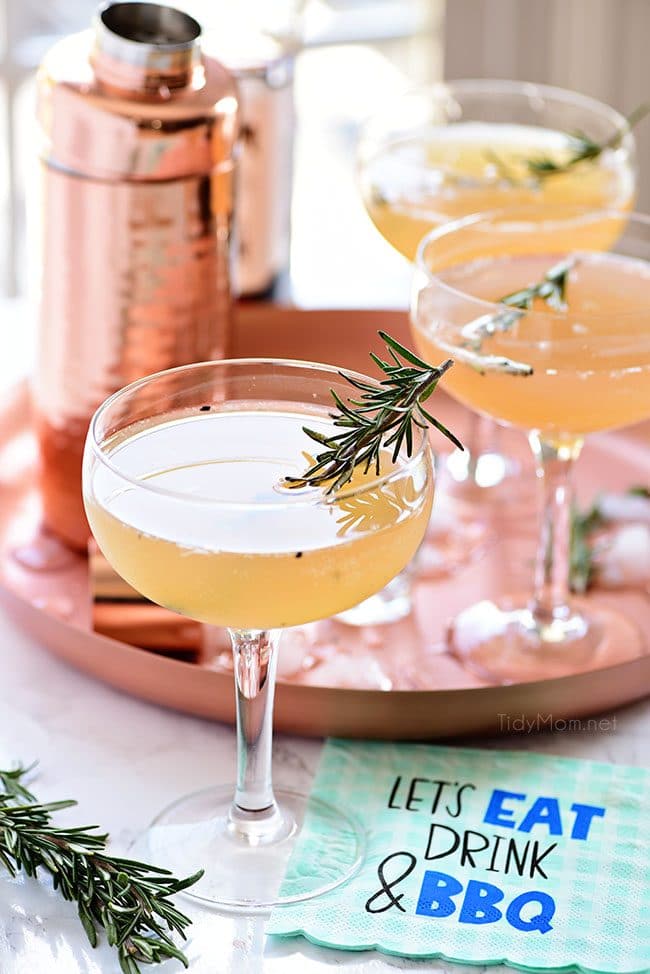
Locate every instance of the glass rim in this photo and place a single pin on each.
(510, 214)
(316, 496)
(505, 86)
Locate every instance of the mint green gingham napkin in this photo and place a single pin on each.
(484, 857)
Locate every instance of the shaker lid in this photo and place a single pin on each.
(152, 37)
(134, 99)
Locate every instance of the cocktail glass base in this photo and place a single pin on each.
(249, 869)
(506, 642)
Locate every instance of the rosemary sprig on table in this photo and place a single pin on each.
(382, 416)
(129, 900)
(551, 289)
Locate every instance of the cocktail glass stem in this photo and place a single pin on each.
(550, 633)
(550, 605)
(254, 814)
(244, 843)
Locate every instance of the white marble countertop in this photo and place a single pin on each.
(123, 760)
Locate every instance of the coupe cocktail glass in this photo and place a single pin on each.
(591, 371)
(184, 489)
(447, 151)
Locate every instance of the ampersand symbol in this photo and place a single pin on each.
(388, 886)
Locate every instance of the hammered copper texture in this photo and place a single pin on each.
(135, 214)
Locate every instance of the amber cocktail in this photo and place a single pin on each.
(559, 369)
(185, 490)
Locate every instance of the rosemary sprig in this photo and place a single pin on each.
(583, 148)
(581, 552)
(129, 900)
(584, 525)
(382, 416)
(551, 289)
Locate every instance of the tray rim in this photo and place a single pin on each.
(522, 695)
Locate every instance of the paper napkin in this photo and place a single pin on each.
(484, 857)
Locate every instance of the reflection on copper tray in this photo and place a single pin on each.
(118, 611)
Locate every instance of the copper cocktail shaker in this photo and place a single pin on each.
(139, 129)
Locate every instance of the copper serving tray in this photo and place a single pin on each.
(428, 695)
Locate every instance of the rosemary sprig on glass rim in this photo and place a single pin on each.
(551, 289)
(383, 416)
(129, 900)
(582, 149)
